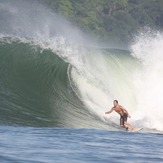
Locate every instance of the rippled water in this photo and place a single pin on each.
(19, 144)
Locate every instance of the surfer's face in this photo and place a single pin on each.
(115, 103)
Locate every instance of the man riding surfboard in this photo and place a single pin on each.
(123, 115)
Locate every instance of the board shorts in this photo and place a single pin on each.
(123, 119)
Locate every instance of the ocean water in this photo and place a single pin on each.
(19, 144)
(56, 84)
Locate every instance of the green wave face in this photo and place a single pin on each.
(38, 88)
(36, 91)
(32, 82)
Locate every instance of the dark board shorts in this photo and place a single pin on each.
(123, 119)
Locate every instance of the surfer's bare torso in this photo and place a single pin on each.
(119, 109)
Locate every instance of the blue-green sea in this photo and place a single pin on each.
(27, 144)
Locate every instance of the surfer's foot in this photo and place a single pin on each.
(133, 129)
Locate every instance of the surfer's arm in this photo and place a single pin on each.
(108, 112)
(125, 111)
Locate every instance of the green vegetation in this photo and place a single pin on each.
(117, 20)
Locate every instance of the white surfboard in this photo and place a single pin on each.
(135, 130)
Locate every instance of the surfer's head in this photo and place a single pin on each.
(115, 102)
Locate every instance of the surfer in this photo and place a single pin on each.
(123, 115)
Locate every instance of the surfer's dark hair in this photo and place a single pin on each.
(116, 101)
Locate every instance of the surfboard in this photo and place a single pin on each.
(135, 130)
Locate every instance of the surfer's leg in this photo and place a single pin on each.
(129, 126)
(122, 121)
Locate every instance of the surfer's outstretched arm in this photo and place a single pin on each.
(108, 112)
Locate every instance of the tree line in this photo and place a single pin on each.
(115, 20)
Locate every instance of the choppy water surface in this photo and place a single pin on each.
(19, 144)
